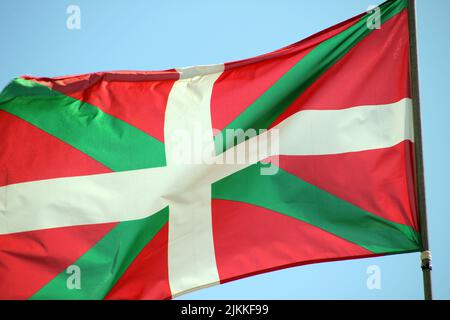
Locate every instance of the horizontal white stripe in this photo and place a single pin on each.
(315, 132)
(136, 194)
(324, 132)
(81, 200)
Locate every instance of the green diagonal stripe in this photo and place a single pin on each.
(291, 196)
(273, 102)
(113, 142)
(103, 265)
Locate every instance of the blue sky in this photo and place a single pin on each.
(152, 35)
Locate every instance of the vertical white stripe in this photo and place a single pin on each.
(188, 133)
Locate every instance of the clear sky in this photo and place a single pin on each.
(153, 35)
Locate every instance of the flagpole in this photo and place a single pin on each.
(418, 152)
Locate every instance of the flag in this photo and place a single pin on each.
(151, 184)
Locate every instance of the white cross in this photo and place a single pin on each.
(186, 188)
